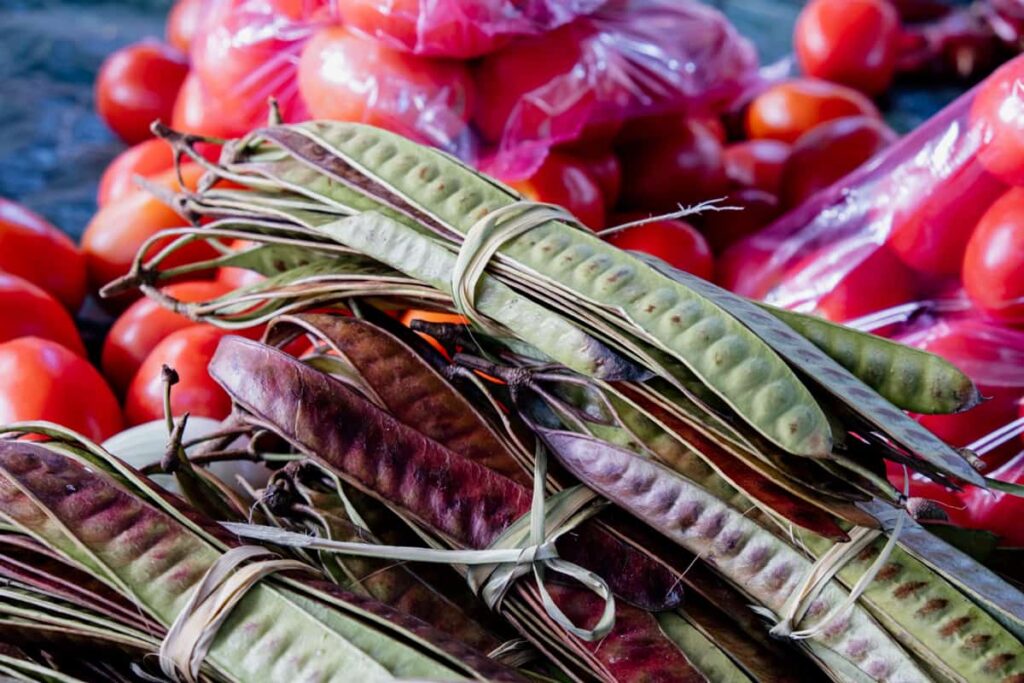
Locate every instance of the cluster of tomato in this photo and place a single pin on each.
(47, 374)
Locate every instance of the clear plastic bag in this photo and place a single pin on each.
(560, 72)
(935, 213)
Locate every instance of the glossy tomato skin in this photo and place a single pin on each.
(756, 164)
(853, 42)
(148, 158)
(878, 282)
(402, 25)
(998, 512)
(788, 110)
(144, 324)
(533, 90)
(932, 221)
(993, 270)
(28, 311)
(746, 268)
(138, 85)
(346, 76)
(43, 380)
(183, 22)
(684, 168)
(119, 230)
(998, 112)
(565, 181)
(188, 351)
(33, 249)
(675, 242)
(829, 151)
(755, 210)
(990, 358)
(198, 112)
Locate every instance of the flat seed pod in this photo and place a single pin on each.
(909, 378)
(712, 662)
(737, 365)
(752, 558)
(839, 382)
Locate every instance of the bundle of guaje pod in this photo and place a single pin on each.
(614, 471)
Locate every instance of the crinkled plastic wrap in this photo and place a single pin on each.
(543, 73)
(900, 228)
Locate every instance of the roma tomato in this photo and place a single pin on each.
(565, 181)
(684, 168)
(993, 270)
(848, 281)
(932, 221)
(33, 249)
(853, 42)
(183, 22)
(674, 242)
(146, 159)
(349, 77)
(198, 112)
(827, 152)
(756, 209)
(138, 85)
(144, 324)
(28, 311)
(534, 89)
(459, 31)
(188, 351)
(756, 164)
(119, 230)
(43, 380)
(788, 110)
(998, 111)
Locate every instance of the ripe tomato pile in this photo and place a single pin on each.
(578, 104)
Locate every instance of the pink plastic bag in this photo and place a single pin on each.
(933, 213)
(553, 73)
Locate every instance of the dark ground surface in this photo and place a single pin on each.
(53, 147)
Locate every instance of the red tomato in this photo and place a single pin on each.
(248, 52)
(932, 221)
(998, 110)
(875, 281)
(684, 168)
(196, 111)
(993, 270)
(985, 356)
(138, 85)
(348, 77)
(998, 512)
(756, 164)
(534, 90)
(118, 231)
(42, 380)
(188, 351)
(28, 311)
(829, 151)
(662, 125)
(146, 159)
(143, 325)
(853, 42)
(724, 228)
(183, 22)
(565, 181)
(459, 31)
(40, 253)
(746, 268)
(674, 242)
(236, 278)
(788, 110)
(607, 171)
